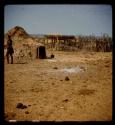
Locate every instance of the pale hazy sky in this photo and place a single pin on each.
(60, 19)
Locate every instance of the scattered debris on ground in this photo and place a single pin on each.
(65, 100)
(26, 112)
(67, 78)
(21, 106)
(86, 91)
(55, 68)
(9, 116)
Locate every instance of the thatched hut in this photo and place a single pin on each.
(36, 50)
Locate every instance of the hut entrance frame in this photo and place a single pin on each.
(41, 52)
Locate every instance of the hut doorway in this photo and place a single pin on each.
(42, 52)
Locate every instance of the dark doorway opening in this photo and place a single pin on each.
(42, 52)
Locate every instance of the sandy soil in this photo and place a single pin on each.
(42, 87)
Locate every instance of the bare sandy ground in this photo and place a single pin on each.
(41, 86)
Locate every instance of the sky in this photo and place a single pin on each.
(60, 19)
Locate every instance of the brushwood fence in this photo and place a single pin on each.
(97, 46)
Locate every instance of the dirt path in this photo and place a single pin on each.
(41, 86)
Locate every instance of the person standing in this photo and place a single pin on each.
(10, 50)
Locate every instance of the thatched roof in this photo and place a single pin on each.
(17, 31)
(20, 37)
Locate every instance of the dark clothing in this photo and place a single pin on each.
(10, 51)
(11, 55)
